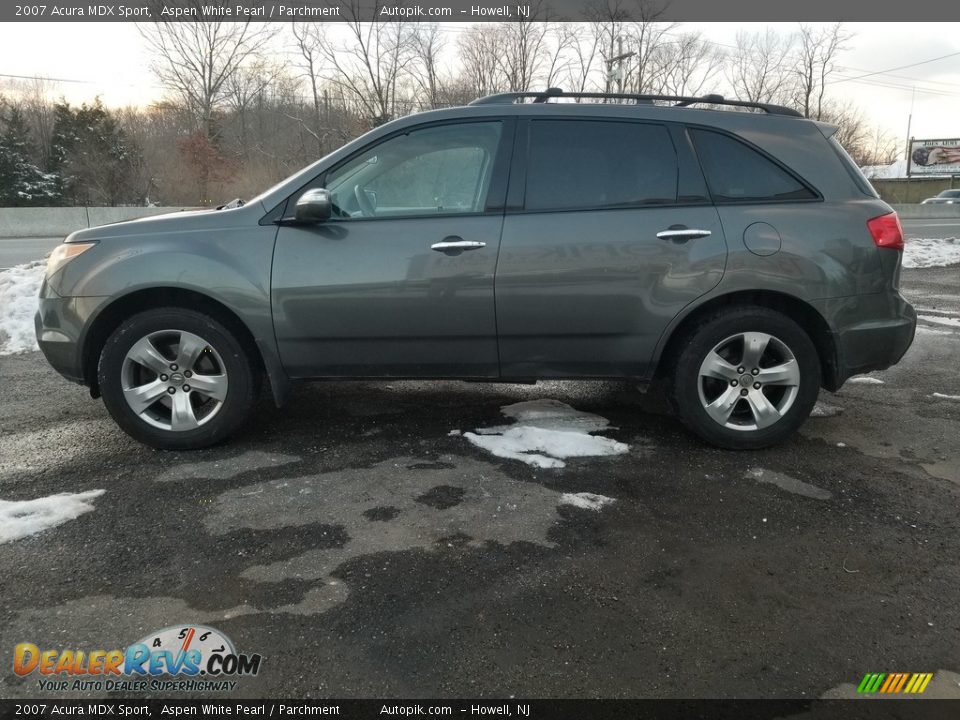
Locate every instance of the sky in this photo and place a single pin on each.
(110, 60)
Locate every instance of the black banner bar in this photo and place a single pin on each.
(474, 10)
(874, 709)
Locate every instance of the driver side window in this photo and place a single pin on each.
(437, 170)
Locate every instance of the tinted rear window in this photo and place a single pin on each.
(737, 173)
(587, 164)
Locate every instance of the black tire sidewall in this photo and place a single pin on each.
(241, 391)
(704, 337)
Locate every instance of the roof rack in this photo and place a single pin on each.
(678, 100)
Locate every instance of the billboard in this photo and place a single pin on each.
(934, 157)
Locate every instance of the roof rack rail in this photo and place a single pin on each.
(678, 100)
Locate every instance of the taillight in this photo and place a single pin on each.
(886, 231)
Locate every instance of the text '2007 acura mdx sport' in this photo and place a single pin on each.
(730, 249)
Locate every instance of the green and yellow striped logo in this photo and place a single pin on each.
(893, 683)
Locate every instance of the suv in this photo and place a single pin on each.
(731, 249)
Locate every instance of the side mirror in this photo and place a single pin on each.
(314, 206)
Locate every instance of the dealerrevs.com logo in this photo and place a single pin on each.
(186, 658)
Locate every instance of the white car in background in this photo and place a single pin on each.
(947, 197)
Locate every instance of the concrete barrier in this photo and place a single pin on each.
(927, 212)
(54, 221)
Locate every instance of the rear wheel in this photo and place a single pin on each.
(176, 379)
(746, 378)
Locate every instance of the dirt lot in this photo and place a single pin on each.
(366, 551)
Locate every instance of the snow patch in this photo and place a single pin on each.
(953, 322)
(19, 288)
(931, 252)
(585, 500)
(866, 380)
(945, 397)
(21, 518)
(545, 433)
(896, 169)
(821, 409)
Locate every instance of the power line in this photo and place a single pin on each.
(899, 67)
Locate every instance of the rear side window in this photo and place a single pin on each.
(737, 173)
(589, 164)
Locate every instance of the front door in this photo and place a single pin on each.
(399, 283)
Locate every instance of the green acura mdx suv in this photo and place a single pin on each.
(731, 249)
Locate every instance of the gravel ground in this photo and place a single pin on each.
(365, 551)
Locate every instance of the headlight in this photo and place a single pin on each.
(64, 253)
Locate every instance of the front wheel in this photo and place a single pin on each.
(176, 379)
(746, 378)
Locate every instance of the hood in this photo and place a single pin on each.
(182, 221)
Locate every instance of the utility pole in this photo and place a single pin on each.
(618, 73)
(913, 96)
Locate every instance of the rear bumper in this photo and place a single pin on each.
(874, 343)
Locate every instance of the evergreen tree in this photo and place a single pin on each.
(92, 156)
(22, 183)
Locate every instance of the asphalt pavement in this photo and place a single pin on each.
(364, 550)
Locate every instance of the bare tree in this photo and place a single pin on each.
(244, 89)
(369, 65)
(196, 60)
(685, 65)
(759, 68)
(816, 62)
(583, 47)
(532, 49)
(309, 42)
(480, 50)
(646, 38)
(428, 41)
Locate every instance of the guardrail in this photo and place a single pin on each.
(927, 212)
(54, 221)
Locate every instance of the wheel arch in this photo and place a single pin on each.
(125, 306)
(805, 315)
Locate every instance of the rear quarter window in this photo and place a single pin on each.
(855, 173)
(735, 172)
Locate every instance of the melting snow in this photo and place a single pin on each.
(585, 500)
(954, 322)
(946, 397)
(931, 252)
(823, 410)
(896, 169)
(866, 380)
(21, 518)
(19, 287)
(545, 433)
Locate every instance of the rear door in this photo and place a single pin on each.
(608, 235)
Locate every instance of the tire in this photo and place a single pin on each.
(146, 369)
(708, 387)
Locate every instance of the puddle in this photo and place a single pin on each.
(226, 468)
(398, 505)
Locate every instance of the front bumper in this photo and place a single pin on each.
(61, 324)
